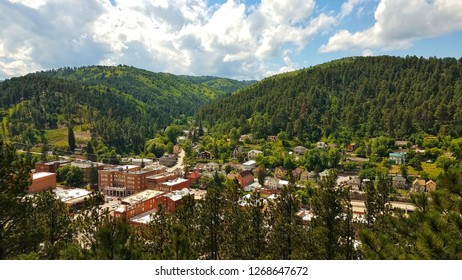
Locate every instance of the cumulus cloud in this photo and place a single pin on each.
(232, 39)
(398, 23)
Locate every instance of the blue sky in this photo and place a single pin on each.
(233, 38)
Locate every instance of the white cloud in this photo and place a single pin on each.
(232, 39)
(348, 6)
(398, 23)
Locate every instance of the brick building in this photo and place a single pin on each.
(85, 166)
(51, 166)
(138, 204)
(126, 180)
(153, 182)
(42, 181)
(174, 185)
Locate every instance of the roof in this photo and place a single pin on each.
(400, 178)
(245, 173)
(194, 175)
(68, 194)
(141, 196)
(39, 175)
(159, 176)
(420, 182)
(430, 182)
(143, 218)
(177, 195)
(175, 182)
(397, 154)
(255, 151)
(250, 162)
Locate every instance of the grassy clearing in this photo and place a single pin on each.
(58, 137)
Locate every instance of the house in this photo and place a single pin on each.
(212, 166)
(168, 160)
(296, 173)
(313, 176)
(304, 176)
(199, 166)
(400, 143)
(249, 165)
(245, 178)
(418, 185)
(430, 186)
(237, 152)
(399, 182)
(272, 183)
(279, 172)
(300, 150)
(205, 155)
(252, 187)
(194, 177)
(252, 154)
(350, 148)
(397, 158)
(321, 145)
(272, 138)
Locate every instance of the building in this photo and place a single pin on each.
(304, 176)
(194, 177)
(142, 161)
(280, 172)
(272, 138)
(42, 181)
(212, 166)
(124, 180)
(399, 182)
(249, 165)
(245, 137)
(272, 183)
(430, 186)
(397, 158)
(51, 166)
(72, 198)
(205, 155)
(154, 181)
(245, 178)
(300, 150)
(321, 145)
(418, 185)
(350, 148)
(174, 185)
(252, 154)
(168, 160)
(138, 204)
(237, 152)
(173, 199)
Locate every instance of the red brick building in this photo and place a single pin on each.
(51, 166)
(42, 181)
(175, 185)
(138, 204)
(125, 181)
(154, 182)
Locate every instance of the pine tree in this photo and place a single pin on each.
(71, 138)
(14, 208)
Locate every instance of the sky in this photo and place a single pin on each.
(235, 38)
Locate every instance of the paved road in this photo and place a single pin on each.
(179, 163)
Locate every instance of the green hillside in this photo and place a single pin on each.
(352, 97)
(120, 106)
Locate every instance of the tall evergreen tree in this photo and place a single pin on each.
(71, 138)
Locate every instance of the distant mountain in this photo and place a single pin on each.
(122, 106)
(351, 97)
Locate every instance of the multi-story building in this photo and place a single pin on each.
(154, 182)
(174, 185)
(51, 166)
(124, 180)
(138, 204)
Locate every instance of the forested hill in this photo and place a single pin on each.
(360, 96)
(120, 106)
